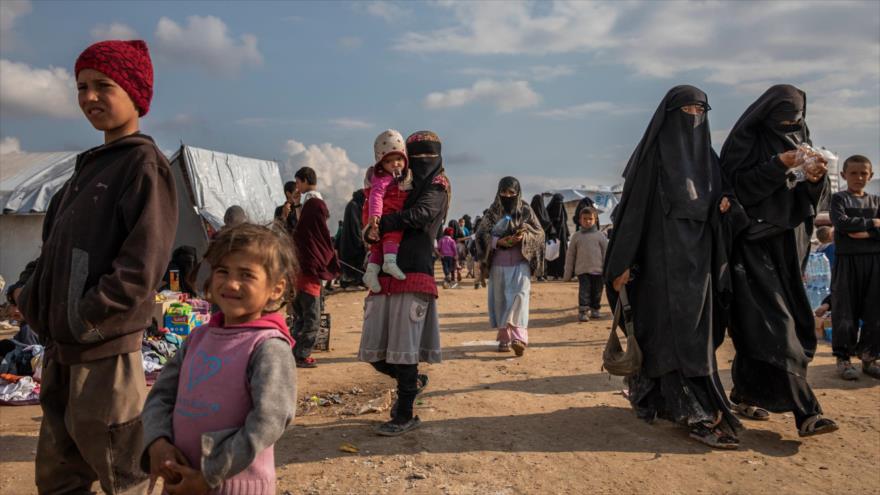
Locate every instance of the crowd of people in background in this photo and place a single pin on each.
(699, 246)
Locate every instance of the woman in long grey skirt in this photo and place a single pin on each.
(401, 327)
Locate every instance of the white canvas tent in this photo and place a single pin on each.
(604, 197)
(207, 183)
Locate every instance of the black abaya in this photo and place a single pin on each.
(544, 219)
(771, 319)
(666, 231)
(352, 250)
(559, 231)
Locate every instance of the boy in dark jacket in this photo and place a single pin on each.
(317, 263)
(107, 240)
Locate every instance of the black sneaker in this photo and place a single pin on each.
(393, 429)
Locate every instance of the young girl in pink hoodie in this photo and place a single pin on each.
(218, 407)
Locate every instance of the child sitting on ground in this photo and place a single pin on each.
(446, 249)
(225, 398)
(855, 289)
(585, 258)
(387, 185)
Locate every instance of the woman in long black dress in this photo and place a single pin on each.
(352, 250)
(666, 240)
(772, 324)
(544, 219)
(560, 232)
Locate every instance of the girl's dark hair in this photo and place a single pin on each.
(272, 248)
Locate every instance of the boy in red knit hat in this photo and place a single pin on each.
(107, 237)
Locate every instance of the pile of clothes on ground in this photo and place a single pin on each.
(159, 345)
(21, 363)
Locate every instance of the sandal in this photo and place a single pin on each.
(713, 437)
(503, 347)
(817, 425)
(519, 347)
(393, 429)
(751, 412)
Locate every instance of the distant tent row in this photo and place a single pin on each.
(207, 183)
(604, 197)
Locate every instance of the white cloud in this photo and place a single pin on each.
(10, 11)
(26, 91)
(837, 111)
(729, 42)
(388, 11)
(113, 31)
(205, 42)
(534, 73)
(338, 176)
(349, 123)
(350, 42)
(9, 145)
(490, 28)
(585, 109)
(829, 49)
(505, 96)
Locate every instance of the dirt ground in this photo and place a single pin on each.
(549, 422)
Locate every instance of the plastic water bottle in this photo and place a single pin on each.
(818, 278)
(502, 227)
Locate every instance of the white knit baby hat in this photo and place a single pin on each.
(389, 141)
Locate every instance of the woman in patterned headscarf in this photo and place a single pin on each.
(509, 239)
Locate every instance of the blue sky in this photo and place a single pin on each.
(555, 93)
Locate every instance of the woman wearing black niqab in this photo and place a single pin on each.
(559, 222)
(772, 323)
(667, 236)
(352, 251)
(544, 219)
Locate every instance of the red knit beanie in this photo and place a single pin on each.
(127, 63)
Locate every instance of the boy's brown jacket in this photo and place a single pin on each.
(107, 240)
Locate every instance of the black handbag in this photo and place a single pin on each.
(616, 360)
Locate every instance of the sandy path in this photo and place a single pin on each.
(550, 422)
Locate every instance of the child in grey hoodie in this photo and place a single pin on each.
(585, 258)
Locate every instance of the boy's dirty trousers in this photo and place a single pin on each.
(589, 292)
(91, 427)
(307, 309)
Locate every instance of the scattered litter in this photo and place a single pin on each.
(418, 476)
(350, 448)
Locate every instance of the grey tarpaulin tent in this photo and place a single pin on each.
(27, 183)
(605, 198)
(207, 182)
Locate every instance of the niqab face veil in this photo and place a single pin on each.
(773, 124)
(508, 205)
(689, 180)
